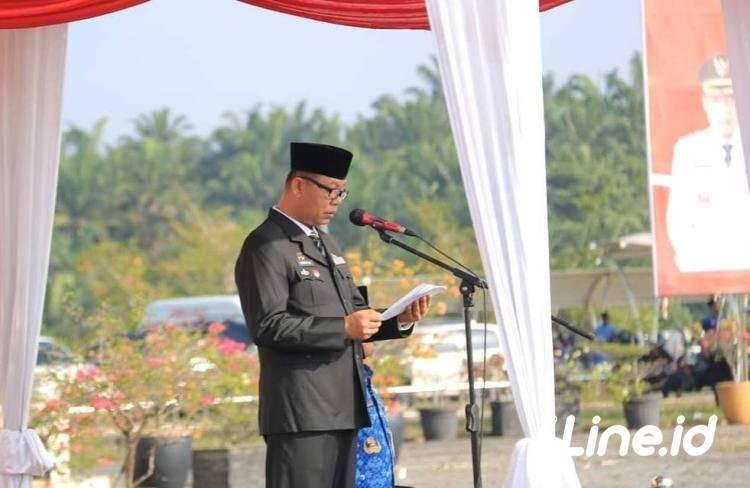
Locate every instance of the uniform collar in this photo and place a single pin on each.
(297, 234)
(307, 230)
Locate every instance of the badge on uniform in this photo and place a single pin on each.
(372, 446)
(303, 260)
(316, 273)
(337, 259)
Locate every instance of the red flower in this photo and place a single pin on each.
(101, 403)
(105, 461)
(156, 362)
(216, 328)
(208, 400)
(52, 405)
(725, 335)
(228, 347)
(83, 374)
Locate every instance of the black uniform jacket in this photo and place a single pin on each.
(294, 300)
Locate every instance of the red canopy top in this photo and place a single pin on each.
(376, 14)
(17, 14)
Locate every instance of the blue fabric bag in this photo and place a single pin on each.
(375, 458)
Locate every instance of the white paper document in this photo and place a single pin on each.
(416, 293)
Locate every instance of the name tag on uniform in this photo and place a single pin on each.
(337, 259)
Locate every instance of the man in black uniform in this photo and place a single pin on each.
(308, 320)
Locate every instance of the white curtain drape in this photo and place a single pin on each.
(737, 28)
(32, 65)
(490, 64)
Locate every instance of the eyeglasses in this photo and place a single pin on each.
(333, 193)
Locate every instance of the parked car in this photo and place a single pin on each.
(199, 312)
(445, 360)
(53, 354)
(52, 358)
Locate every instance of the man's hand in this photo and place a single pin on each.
(362, 325)
(415, 311)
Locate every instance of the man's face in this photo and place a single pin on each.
(319, 207)
(718, 102)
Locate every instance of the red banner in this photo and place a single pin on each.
(700, 201)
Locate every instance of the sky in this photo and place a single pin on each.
(202, 58)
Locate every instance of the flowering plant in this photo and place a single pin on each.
(163, 385)
(624, 378)
(731, 341)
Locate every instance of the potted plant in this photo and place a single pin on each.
(731, 339)
(624, 381)
(438, 418)
(153, 394)
(567, 393)
(568, 377)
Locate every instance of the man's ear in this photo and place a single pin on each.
(296, 187)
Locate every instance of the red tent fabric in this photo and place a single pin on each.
(375, 14)
(16, 14)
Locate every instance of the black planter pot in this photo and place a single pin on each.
(224, 468)
(397, 425)
(438, 423)
(211, 468)
(566, 404)
(172, 461)
(642, 410)
(505, 419)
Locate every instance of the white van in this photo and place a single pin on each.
(446, 360)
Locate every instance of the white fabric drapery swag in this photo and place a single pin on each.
(32, 63)
(737, 29)
(490, 64)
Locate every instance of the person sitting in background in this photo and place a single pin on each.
(711, 320)
(605, 332)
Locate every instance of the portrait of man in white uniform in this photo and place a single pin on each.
(708, 213)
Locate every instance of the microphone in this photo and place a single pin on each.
(361, 217)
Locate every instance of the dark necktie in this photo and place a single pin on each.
(318, 242)
(727, 154)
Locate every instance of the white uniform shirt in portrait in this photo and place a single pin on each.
(708, 215)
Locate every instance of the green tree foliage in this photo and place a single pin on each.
(162, 212)
(596, 163)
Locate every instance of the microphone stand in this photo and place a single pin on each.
(469, 284)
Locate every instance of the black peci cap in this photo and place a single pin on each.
(320, 159)
(715, 72)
